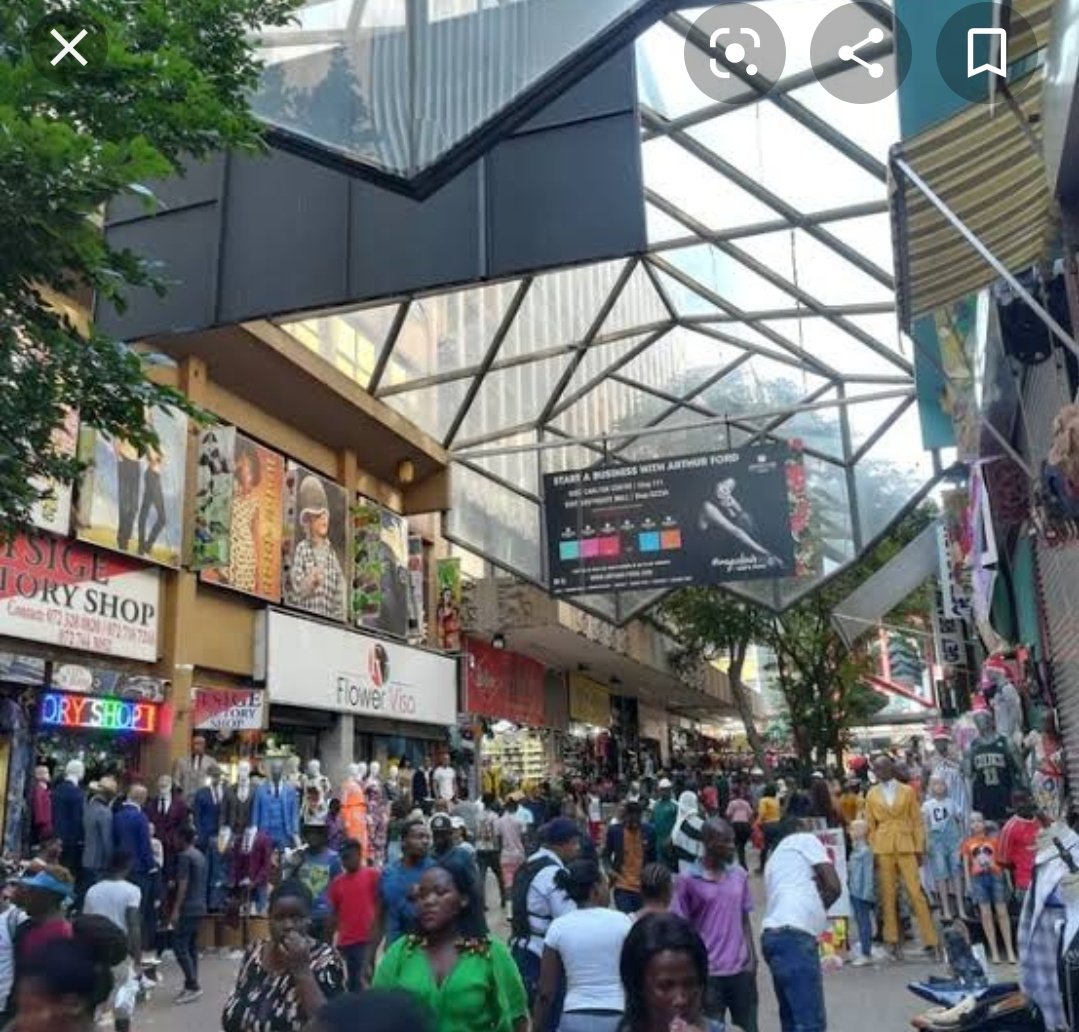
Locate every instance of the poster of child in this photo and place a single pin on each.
(135, 503)
(314, 547)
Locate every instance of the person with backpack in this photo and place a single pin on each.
(537, 900)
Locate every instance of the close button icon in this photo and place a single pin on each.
(67, 46)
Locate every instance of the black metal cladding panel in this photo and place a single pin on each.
(603, 92)
(285, 244)
(185, 243)
(565, 195)
(398, 244)
(200, 185)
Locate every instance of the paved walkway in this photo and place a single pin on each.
(858, 998)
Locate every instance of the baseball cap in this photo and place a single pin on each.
(44, 880)
(441, 822)
(457, 822)
(665, 783)
(940, 731)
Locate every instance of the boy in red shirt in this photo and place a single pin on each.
(353, 897)
(1017, 845)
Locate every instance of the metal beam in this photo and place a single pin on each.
(387, 348)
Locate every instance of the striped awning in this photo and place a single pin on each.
(987, 167)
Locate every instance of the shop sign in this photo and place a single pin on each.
(229, 709)
(503, 685)
(63, 593)
(73, 677)
(84, 712)
(589, 701)
(322, 667)
(697, 519)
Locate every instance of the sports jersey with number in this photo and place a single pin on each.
(992, 777)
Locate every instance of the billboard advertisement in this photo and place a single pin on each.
(238, 514)
(53, 513)
(315, 544)
(380, 582)
(698, 519)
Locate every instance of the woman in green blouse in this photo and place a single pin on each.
(465, 978)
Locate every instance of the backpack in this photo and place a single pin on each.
(520, 927)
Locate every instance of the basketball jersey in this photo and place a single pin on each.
(992, 777)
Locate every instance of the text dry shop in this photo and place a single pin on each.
(378, 683)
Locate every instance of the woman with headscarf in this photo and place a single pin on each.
(687, 840)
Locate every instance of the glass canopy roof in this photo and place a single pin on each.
(764, 309)
(395, 85)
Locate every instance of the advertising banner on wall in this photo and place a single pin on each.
(90, 680)
(417, 614)
(503, 685)
(448, 613)
(54, 513)
(61, 592)
(589, 701)
(380, 582)
(699, 519)
(238, 514)
(311, 664)
(135, 503)
(229, 709)
(314, 549)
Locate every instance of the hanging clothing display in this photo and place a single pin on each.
(378, 821)
(993, 776)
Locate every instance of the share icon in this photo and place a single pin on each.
(850, 53)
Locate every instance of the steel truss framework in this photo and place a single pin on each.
(763, 310)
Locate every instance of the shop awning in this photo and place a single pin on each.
(985, 163)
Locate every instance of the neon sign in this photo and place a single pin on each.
(97, 714)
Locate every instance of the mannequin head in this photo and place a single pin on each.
(353, 772)
(942, 739)
(392, 773)
(884, 768)
(243, 771)
(198, 746)
(41, 774)
(277, 770)
(215, 775)
(376, 769)
(361, 770)
(164, 786)
(314, 768)
(75, 771)
(983, 721)
(938, 788)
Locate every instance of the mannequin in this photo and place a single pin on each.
(292, 775)
(1068, 967)
(167, 812)
(250, 864)
(1005, 700)
(981, 860)
(276, 809)
(1045, 764)
(378, 817)
(392, 784)
(444, 781)
(941, 765)
(68, 802)
(236, 813)
(992, 768)
(354, 806)
(190, 772)
(316, 801)
(404, 782)
(209, 808)
(40, 807)
(422, 789)
(1040, 922)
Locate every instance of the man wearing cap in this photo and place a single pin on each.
(97, 821)
(629, 846)
(443, 846)
(664, 813)
(544, 901)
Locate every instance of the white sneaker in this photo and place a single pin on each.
(861, 961)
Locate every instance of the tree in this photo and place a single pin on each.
(172, 88)
(710, 624)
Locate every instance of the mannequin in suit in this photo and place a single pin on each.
(897, 835)
(68, 805)
(167, 812)
(209, 807)
(40, 807)
(276, 810)
(239, 799)
(189, 772)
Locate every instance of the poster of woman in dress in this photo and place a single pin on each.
(238, 514)
(314, 546)
(134, 503)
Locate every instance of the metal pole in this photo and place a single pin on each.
(991, 259)
(653, 431)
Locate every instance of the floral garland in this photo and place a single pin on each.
(479, 945)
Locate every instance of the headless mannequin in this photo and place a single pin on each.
(238, 800)
(354, 806)
(992, 769)
(276, 810)
(377, 814)
(167, 812)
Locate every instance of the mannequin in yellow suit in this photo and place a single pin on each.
(897, 835)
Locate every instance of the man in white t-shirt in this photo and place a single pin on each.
(120, 901)
(445, 783)
(800, 884)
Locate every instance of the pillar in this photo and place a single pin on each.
(335, 748)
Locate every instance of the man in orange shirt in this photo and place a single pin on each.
(897, 836)
(630, 845)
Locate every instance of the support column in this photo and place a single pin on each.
(335, 748)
